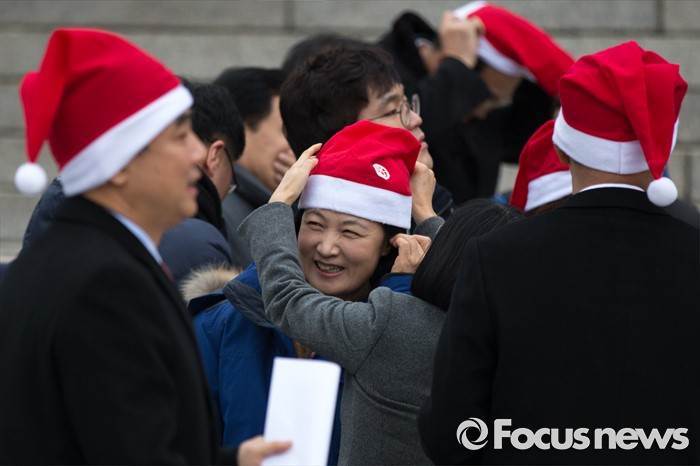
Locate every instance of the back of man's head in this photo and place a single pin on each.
(314, 45)
(252, 90)
(329, 90)
(215, 116)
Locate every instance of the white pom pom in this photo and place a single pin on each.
(662, 192)
(30, 179)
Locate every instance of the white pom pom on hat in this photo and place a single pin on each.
(662, 192)
(30, 179)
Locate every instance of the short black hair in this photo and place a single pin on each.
(252, 90)
(436, 275)
(215, 116)
(307, 48)
(327, 92)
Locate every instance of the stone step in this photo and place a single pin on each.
(15, 210)
(160, 13)
(194, 55)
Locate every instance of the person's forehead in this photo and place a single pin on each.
(395, 94)
(339, 218)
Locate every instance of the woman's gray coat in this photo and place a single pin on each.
(385, 345)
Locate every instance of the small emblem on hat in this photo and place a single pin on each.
(382, 172)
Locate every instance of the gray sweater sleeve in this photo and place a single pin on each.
(341, 331)
(429, 227)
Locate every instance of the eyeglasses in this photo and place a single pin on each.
(404, 111)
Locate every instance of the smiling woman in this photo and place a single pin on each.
(384, 340)
(340, 252)
(353, 204)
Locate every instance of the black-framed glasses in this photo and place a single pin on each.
(404, 111)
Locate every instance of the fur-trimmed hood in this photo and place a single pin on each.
(206, 280)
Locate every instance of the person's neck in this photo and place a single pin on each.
(246, 161)
(120, 206)
(582, 177)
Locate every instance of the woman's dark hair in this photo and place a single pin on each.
(386, 262)
(436, 275)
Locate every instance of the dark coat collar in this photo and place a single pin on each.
(209, 204)
(81, 210)
(614, 197)
(250, 188)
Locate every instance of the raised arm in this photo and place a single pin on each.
(341, 331)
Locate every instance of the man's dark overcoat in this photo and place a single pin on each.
(584, 317)
(99, 362)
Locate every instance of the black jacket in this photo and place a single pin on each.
(99, 361)
(583, 317)
(209, 204)
(249, 194)
(44, 212)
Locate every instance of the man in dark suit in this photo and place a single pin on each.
(99, 362)
(572, 335)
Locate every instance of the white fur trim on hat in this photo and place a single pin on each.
(623, 158)
(548, 188)
(360, 200)
(500, 62)
(488, 52)
(465, 10)
(113, 150)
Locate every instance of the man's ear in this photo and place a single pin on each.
(216, 155)
(563, 158)
(121, 177)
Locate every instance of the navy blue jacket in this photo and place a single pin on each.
(238, 349)
(191, 244)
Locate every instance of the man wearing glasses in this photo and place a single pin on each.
(339, 87)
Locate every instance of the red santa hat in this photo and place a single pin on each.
(619, 114)
(542, 177)
(99, 100)
(365, 170)
(516, 47)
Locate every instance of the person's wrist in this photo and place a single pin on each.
(422, 214)
(285, 198)
(468, 59)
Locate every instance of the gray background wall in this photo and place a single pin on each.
(199, 38)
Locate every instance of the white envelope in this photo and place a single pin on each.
(301, 407)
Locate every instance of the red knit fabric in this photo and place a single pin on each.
(360, 152)
(526, 44)
(625, 93)
(85, 86)
(537, 159)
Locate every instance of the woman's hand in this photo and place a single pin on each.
(253, 451)
(460, 38)
(294, 180)
(422, 189)
(412, 248)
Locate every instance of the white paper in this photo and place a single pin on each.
(301, 407)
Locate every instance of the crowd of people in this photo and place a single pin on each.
(343, 207)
